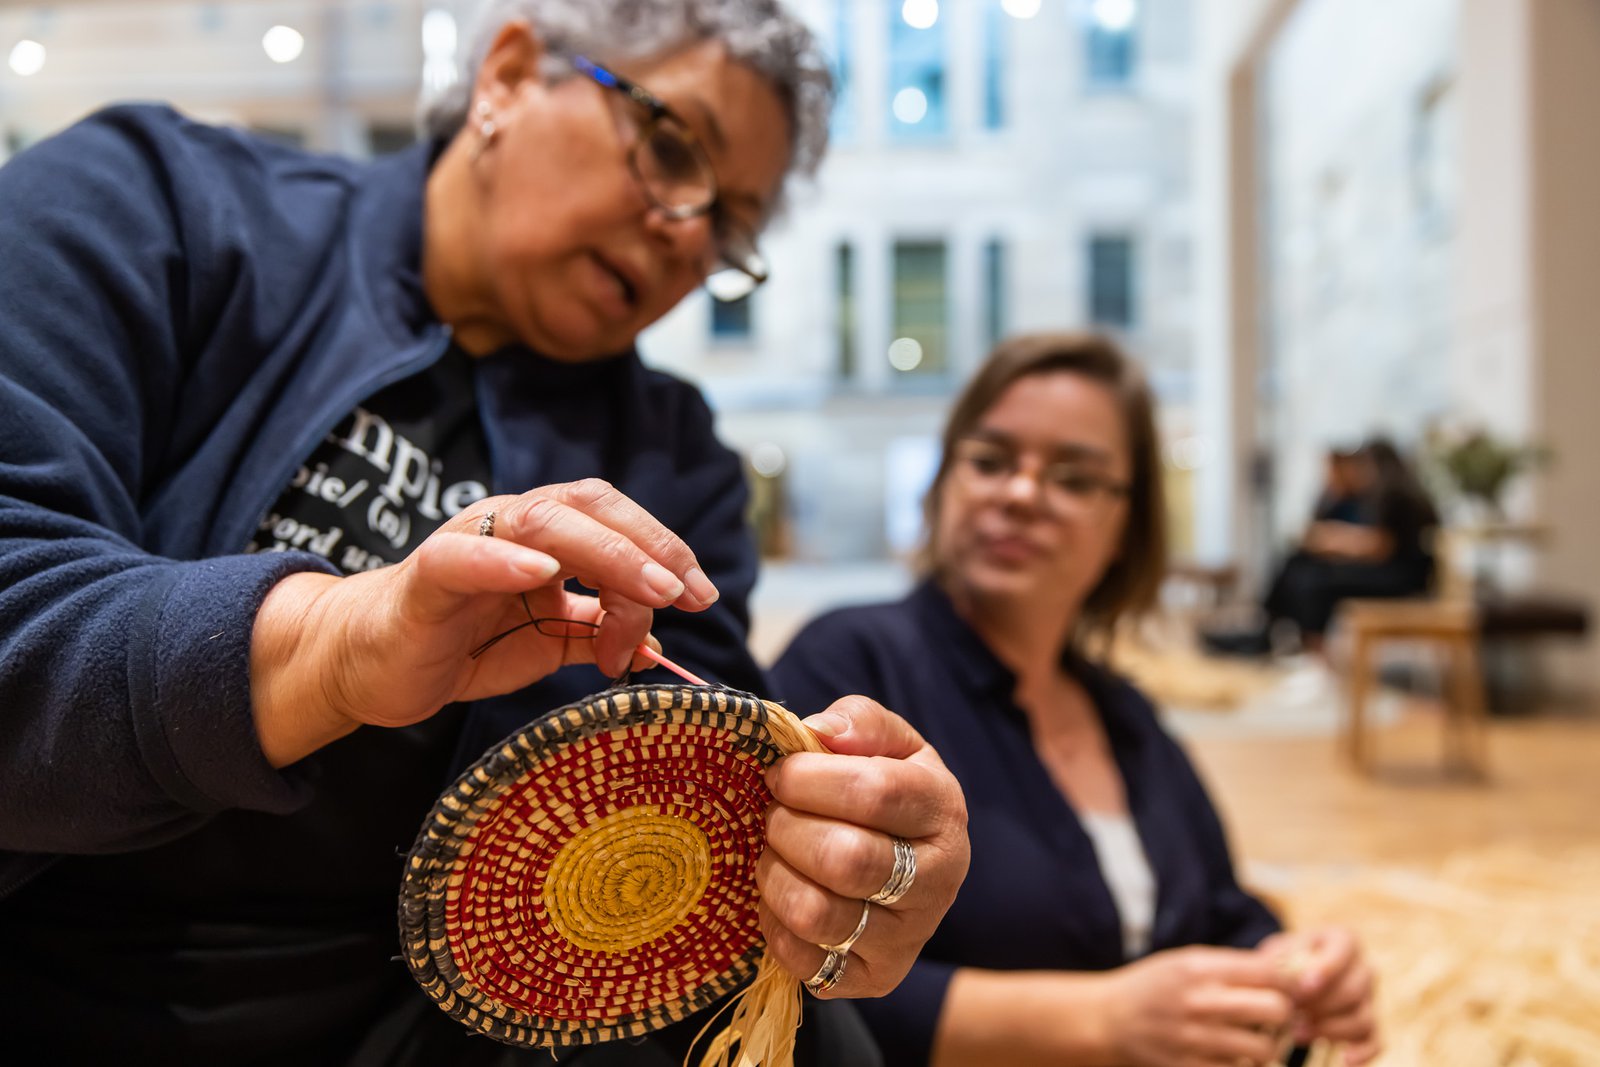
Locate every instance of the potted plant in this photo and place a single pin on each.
(1477, 466)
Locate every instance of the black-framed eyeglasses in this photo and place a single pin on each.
(1069, 488)
(676, 175)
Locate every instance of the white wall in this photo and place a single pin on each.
(1359, 239)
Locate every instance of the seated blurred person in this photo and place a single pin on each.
(1373, 542)
(1369, 536)
(1345, 477)
(1101, 920)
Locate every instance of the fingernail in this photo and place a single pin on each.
(664, 583)
(537, 565)
(700, 586)
(827, 724)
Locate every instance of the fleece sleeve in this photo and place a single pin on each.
(125, 712)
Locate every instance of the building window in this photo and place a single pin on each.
(1111, 281)
(1110, 44)
(730, 319)
(844, 275)
(921, 308)
(994, 290)
(842, 125)
(916, 71)
(995, 25)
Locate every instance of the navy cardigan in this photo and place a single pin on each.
(1034, 898)
(185, 311)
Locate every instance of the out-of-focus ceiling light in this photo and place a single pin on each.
(1021, 9)
(27, 58)
(920, 14)
(905, 354)
(283, 44)
(910, 105)
(768, 459)
(1114, 16)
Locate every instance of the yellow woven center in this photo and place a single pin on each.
(627, 879)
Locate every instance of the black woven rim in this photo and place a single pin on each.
(741, 719)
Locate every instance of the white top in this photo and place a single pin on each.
(1127, 874)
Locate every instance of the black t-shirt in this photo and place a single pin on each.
(388, 476)
(259, 935)
(1409, 519)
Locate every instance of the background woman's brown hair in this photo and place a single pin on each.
(1130, 585)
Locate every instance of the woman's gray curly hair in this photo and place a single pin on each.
(758, 33)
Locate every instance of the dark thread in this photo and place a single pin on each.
(539, 624)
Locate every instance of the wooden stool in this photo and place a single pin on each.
(1452, 624)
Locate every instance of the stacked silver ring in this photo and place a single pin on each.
(829, 973)
(486, 525)
(832, 968)
(901, 877)
(861, 927)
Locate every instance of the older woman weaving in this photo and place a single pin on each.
(262, 410)
(1102, 922)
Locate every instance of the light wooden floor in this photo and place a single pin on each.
(1295, 801)
(1479, 905)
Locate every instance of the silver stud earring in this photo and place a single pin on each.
(486, 127)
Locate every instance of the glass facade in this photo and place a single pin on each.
(917, 105)
(1112, 300)
(921, 308)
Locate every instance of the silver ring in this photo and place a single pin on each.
(848, 943)
(901, 877)
(829, 973)
(486, 524)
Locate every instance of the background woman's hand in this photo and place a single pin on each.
(830, 845)
(1333, 987)
(391, 647)
(1197, 1007)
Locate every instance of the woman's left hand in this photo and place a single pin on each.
(830, 845)
(1333, 989)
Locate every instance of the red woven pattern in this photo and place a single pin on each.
(499, 928)
(593, 876)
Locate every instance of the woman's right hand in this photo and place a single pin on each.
(391, 647)
(1197, 1007)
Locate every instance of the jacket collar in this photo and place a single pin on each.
(982, 674)
(386, 240)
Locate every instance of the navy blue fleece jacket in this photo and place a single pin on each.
(184, 313)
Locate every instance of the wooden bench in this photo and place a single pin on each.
(1447, 623)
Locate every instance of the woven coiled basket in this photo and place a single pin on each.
(592, 877)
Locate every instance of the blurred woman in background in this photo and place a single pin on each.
(1101, 921)
(1379, 545)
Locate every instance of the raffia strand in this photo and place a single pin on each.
(765, 1014)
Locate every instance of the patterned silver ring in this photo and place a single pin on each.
(486, 524)
(848, 943)
(829, 973)
(901, 877)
